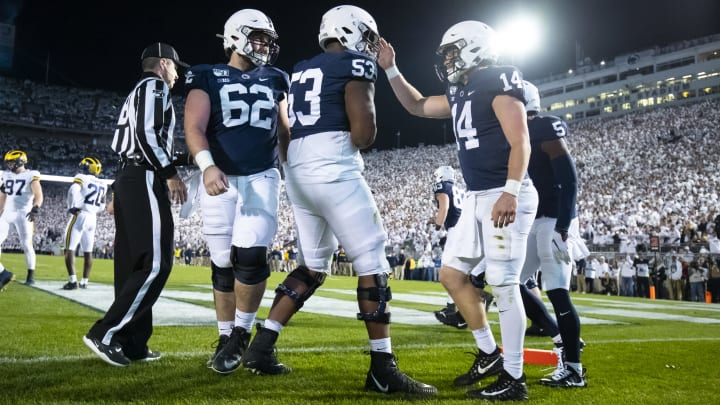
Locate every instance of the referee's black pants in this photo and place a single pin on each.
(143, 259)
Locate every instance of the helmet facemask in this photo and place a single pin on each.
(15, 159)
(450, 66)
(91, 166)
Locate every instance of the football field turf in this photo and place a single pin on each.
(638, 351)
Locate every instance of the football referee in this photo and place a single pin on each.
(144, 188)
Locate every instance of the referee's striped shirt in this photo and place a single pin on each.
(144, 131)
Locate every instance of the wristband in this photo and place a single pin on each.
(512, 187)
(204, 160)
(391, 72)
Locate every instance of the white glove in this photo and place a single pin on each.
(560, 249)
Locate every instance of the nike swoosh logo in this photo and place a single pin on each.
(262, 79)
(496, 392)
(564, 313)
(483, 370)
(470, 93)
(378, 385)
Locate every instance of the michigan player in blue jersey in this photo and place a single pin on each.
(332, 114)
(486, 104)
(235, 118)
(555, 228)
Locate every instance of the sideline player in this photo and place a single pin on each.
(235, 116)
(86, 196)
(21, 197)
(333, 117)
(486, 104)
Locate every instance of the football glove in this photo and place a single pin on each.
(33, 213)
(74, 210)
(560, 248)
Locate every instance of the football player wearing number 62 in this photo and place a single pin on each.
(235, 117)
(86, 197)
(21, 197)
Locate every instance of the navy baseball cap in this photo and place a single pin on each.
(161, 50)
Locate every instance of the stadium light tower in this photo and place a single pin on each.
(519, 36)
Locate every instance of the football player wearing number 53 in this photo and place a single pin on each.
(332, 115)
(235, 116)
(486, 104)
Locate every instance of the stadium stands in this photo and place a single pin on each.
(652, 172)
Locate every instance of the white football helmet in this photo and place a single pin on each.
(238, 29)
(464, 46)
(353, 27)
(532, 96)
(444, 173)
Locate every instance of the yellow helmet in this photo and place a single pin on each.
(91, 165)
(15, 159)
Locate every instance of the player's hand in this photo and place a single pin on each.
(386, 54)
(215, 181)
(177, 189)
(504, 210)
(560, 248)
(33, 213)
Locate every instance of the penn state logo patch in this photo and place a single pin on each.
(221, 72)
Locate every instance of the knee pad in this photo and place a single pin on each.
(223, 279)
(301, 276)
(478, 281)
(380, 294)
(501, 273)
(250, 264)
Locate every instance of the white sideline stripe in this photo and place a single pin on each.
(413, 346)
(170, 311)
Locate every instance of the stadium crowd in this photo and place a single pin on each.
(642, 174)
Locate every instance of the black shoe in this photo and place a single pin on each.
(149, 356)
(385, 376)
(30, 281)
(485, 365)
(488, 300)
(535, 330)
(70, 286)
(219, 344)
(228, 359)
(566, 378)
(6, 277)
(111, 354)
(453, 319)
(505, 388)
(82, 286)
(260, 357)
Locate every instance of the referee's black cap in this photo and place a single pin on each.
(161, 50)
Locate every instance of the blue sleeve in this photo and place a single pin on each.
(565, 175)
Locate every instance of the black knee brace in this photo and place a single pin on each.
(250, 264)
(478, 281)
(222, 278)
(380, 294)
(302, 275)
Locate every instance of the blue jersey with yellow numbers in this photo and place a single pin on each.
(242, 129)
(482, 148)
(455, 196)
(317, 91)
(542, 129)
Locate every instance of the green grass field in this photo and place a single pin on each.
(659, 352)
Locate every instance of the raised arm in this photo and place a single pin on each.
(410, 98)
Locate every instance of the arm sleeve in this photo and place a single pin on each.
(566, 176)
